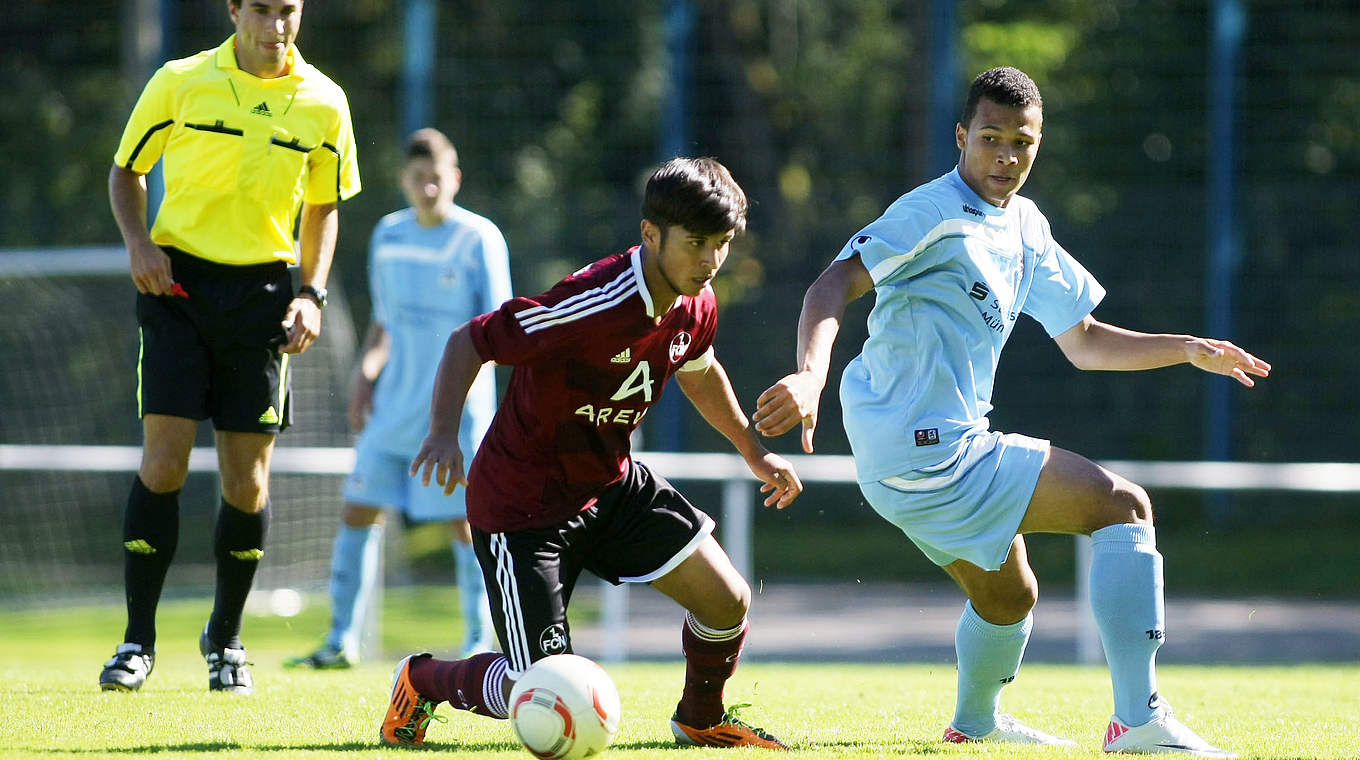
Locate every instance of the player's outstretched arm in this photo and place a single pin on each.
(1224, 358)
(710, 391)
(796, 397)
(439, 455)
(1092, 344)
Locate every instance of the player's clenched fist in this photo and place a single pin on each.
(792, 400)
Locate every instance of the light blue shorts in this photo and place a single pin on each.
(971, 507)
(382, 478)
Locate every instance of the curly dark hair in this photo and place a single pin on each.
(1003, 85)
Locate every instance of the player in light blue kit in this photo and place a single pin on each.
(432, 267)
(953, 263)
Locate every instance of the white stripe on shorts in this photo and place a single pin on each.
(517, 639)
(929, 482)
(704, 531)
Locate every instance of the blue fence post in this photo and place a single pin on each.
(943, 154)
(419, 26)
(1227, 28)
(667, 415)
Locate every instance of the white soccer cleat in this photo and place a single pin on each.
(1161, 734)
(1008, 729)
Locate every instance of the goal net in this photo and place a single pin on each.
(69, 342)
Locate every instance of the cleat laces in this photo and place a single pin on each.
(418, 723)
(731, 717)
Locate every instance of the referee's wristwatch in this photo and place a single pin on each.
(316, 294)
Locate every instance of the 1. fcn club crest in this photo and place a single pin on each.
(679, 346)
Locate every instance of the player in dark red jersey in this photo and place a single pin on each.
(553, 489)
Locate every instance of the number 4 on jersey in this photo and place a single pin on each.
(638, 381)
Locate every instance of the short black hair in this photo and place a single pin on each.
(1003, 85)
(698, 194)
(432, 144)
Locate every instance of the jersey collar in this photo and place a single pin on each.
(635, 259)
(984, 206)
(226, 59)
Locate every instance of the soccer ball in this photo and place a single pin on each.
(564, 707)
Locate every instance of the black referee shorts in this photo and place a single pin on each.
(638, 530)
(210, 349)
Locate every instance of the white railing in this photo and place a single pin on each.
(739, 494)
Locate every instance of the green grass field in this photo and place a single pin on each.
(52, 707)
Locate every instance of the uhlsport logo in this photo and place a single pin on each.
(553, 640)
(679, 345)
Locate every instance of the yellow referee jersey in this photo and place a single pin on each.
(241, 153)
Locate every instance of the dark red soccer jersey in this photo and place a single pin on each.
(589, 359)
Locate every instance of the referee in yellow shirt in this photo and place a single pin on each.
(253, 140)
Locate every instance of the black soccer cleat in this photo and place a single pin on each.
(128, 669)
(227, 668)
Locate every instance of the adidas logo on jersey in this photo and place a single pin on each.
(623, 357)
(262, 109)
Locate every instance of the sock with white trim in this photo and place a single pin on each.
(710, 659)
(476, 684)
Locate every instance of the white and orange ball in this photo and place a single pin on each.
(565, 707)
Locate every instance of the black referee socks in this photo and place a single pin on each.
(150, 537)
(239, 547)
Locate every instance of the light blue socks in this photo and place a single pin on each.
(1126, 598)
(989, 658)
(479, 635)
(354, 571)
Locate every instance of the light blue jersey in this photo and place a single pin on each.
(425, 282)
(951, 273)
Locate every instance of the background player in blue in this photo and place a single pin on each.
(952, 264)
(432, 267)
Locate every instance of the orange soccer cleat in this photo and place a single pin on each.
(408, 714)
(731, 731)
